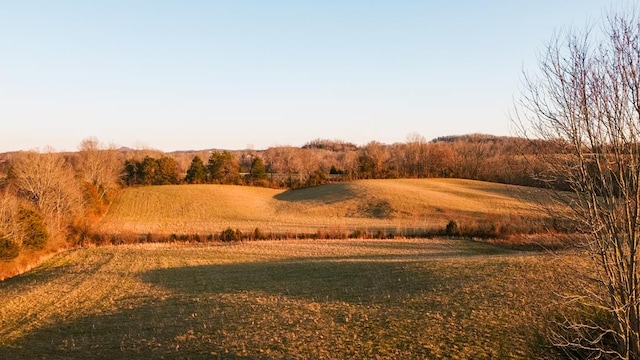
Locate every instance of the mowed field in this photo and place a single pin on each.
(374, 204)
(323, 299)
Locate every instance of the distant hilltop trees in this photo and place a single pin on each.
(333, 145)
(474, 156)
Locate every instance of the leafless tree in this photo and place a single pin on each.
(416, 155)
(47, 180)
(9, 227)
(286, 160)
(349, 162)
(379, 154)
(586, 100)
(99, 166)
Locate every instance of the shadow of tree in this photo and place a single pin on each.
(39, 274)
(332, 308)
(327, 194)
(240, 311)
(357, 280)
(151, 331)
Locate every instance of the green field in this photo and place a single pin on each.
(417, 203)
(333, 299)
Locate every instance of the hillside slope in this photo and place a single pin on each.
(404, 203)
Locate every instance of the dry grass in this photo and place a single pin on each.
(29, 259)
(290, 299)
(424, 203)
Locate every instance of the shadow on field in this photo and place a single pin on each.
(207, 315)
(152, 331)
(34, 276)
(328, 194)
(353, 280)
(352, 307)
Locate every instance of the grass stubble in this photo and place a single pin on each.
(330, 299)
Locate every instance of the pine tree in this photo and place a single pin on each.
(197, 172)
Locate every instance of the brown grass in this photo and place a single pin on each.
(424, 203)
(291, 299)
(31, 258)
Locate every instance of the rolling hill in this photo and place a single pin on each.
(405, 203)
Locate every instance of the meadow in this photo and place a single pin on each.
(294, 299)
(364, 204)
(438, 298)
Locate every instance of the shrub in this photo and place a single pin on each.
(8, 249)
(99, 239)
(79, 234)
(230, 235)
(35, 231)
(94, 204)
(452, 229)
(258, 235)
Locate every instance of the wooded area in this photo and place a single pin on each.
(477, 157)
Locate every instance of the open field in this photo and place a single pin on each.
(289, 299)
(406, 203)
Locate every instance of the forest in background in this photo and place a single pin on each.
(475, 156)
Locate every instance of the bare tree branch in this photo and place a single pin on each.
(586, 100)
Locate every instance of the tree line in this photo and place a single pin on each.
(477, 157)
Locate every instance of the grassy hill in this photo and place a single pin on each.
(405, 203)
(330, 299)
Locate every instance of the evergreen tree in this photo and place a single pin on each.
(197, 172)
(147, 170)
(166, 171)
(257, 169)
(130, 173)
(34, 228)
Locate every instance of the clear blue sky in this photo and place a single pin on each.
(178, 75)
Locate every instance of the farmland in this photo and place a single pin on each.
(407, 203)
(286, 299)
(303, 299)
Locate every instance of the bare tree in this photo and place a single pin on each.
(586, 100)
(284, 160)
(9, 227)
(440, 161)
(47, 180)
(416, 154)
(349, 162)
(99, 166)
(379, 155)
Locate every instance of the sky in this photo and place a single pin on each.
(236, 74)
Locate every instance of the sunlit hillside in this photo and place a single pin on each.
(407, 203)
